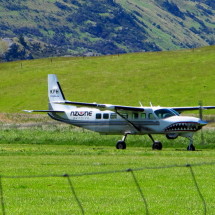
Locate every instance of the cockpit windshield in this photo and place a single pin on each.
(165, 113)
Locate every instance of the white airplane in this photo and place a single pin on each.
(118, 119)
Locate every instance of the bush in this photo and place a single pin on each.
(62, 6)
(173, 9)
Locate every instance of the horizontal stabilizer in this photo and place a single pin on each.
(44, 111)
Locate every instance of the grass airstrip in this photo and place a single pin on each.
(53, 169)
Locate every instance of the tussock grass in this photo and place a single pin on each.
(58, 134)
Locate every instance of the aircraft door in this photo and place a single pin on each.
(102, 122)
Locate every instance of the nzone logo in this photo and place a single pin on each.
(81, 113)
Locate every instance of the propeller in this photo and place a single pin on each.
(200, 110)
(201, 117)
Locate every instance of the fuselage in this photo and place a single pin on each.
(153, 120)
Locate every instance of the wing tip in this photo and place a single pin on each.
(28, 111)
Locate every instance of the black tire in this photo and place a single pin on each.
(157, 145)
(191, 148)
(121, 145)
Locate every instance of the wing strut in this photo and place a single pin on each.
(131, 123)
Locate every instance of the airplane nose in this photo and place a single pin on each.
(202, 123)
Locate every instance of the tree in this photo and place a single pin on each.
(22, 41)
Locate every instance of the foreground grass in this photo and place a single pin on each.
(55, 151)
(166, 190)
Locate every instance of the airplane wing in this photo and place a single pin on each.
(103, 106)
(127, 108)
(181, 109)
(44, 111)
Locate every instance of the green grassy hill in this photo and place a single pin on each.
(176, 78)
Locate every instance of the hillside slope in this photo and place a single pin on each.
(75, 27)
(173, 78)
(175, 24)
(100, 27)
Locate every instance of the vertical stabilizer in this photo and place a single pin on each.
(55, 92)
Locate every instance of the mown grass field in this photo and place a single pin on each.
(165, 190)
(30, 145)
(176, 78)
(35, 155)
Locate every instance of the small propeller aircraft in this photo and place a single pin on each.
(125, 120)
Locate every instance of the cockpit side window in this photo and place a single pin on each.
(174, 111)
(164, 113)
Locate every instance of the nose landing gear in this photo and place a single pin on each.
(190, 147)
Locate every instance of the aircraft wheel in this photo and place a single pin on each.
(191, 148)
(121, 145)
(157, 145)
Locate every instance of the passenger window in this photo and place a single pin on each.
(125, 115)
(151, 116)
(105, 116)
(113, 116)
(135, 115)
(143, 116)
(98, 116)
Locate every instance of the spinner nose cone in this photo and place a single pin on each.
(202, 123)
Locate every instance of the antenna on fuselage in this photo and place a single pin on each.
(151, 104)
(140, 104)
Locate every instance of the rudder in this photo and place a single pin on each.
(55, 92)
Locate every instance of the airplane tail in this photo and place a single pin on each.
(56, 98)
(55, 93)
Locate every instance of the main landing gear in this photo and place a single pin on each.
(121, 143)
(157, 145)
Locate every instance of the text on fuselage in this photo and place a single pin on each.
(81, 113)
